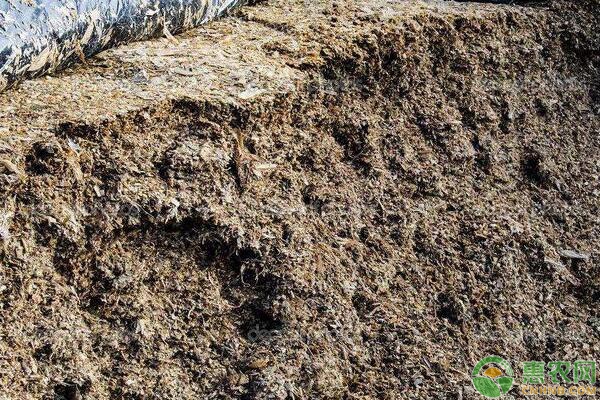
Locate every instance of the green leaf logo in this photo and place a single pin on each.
(492, 377)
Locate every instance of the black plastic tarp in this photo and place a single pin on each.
(40, 36)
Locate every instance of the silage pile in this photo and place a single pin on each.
(41, 37)
(377, 196)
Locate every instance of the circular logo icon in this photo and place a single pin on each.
(492, 377)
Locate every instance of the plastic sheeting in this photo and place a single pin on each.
(40, 36)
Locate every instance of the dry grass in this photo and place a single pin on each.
(355, 201)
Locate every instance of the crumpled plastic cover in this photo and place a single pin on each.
(41, 36)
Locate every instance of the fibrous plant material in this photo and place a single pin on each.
(350, 199)
(42, 36)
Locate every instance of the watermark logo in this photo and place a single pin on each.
(559, 378)
(492, 377)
